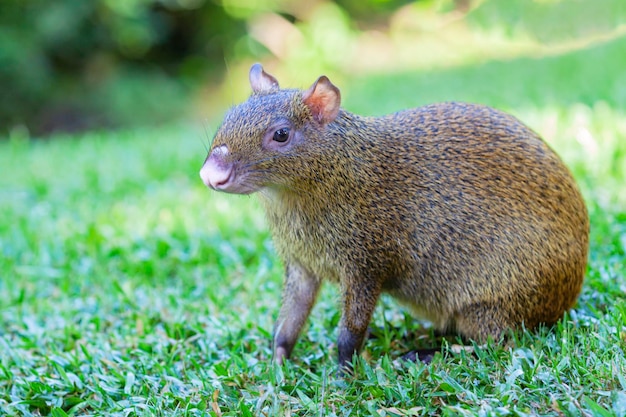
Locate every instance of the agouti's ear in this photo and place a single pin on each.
(261, 81)
(323, 99)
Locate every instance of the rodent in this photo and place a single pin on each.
(459, 211)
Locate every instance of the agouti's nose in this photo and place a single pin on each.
(215, 172)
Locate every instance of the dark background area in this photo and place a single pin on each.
(72, 65)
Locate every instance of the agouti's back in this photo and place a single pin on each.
(459, 211)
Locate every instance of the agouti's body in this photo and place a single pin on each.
(459, 211)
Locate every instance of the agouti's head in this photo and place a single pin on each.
(269, 140)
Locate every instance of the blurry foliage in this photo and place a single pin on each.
(551, 20)
(74, 64)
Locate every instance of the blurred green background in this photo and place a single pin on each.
(74, 65)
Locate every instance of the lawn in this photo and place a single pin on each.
(128, 288)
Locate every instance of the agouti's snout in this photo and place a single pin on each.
(217, 173)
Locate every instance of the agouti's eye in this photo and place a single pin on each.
(281, 135)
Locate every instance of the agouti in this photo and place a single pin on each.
(459, 211)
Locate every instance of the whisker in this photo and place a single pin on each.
(230, 81)
(205, 124)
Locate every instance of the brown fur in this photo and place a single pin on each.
(459, 211)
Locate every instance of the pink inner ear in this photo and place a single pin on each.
(323, 99)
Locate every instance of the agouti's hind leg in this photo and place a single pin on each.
(478, 322)
(482, 321)
(426, 355)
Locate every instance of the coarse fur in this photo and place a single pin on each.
(457, 210)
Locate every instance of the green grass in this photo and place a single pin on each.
(127, 288)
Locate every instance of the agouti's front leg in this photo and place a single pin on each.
(359, 301)
(299, 293)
